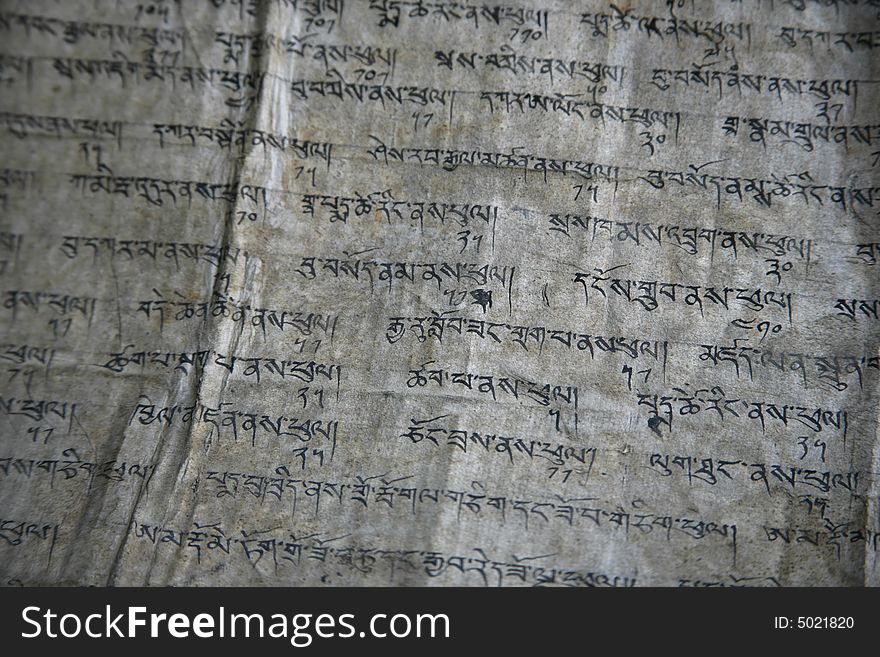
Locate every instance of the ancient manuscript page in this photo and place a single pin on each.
(433, 292)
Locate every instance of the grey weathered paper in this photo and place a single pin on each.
(423, 292)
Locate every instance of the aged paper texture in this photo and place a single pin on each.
(434, 292)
